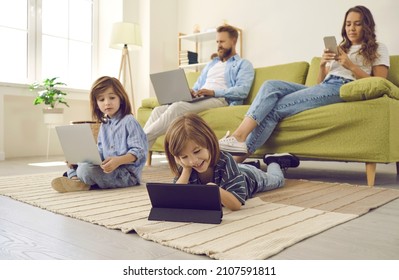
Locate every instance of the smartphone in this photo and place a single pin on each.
(331, 44)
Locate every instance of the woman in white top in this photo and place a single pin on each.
(359, 56)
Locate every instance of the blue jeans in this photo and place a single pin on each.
(93, 175)
(277, 100)
(260, 181)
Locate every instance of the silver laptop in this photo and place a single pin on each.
(78, 143)
(172, 86)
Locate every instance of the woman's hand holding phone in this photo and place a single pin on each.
(330, 44)
(344, 60)
(327, 57)
(330, 52)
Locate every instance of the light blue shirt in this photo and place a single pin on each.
(121, 136)
(239, 75)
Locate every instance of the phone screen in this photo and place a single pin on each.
(330, 43)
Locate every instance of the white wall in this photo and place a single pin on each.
(25, 132)
(111, 11)
(108, 59)
(280, 31)
(163, 37)
(22, 130)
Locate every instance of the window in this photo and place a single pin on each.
(47, 38)
(14, 40)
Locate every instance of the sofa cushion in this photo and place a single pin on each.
(150, 102)
(295, 72)
(313, 73)
(368, 88)
(192, 77)
(143, 114)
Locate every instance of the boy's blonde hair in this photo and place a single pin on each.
(189, 127)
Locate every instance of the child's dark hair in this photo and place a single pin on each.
(102, 84)
(189, 127)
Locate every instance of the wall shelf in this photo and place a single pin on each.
(199, 39)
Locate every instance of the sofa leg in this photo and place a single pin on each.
(148, 163)
(370, 172)
(397, 168)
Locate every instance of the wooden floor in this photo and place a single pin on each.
(27, 232)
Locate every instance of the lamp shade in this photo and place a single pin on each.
(125, 33)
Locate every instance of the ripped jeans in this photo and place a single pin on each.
(277, 100)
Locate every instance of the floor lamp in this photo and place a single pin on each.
(125, 35)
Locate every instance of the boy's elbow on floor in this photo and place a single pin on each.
(235, 207)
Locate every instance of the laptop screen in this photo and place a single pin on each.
(171, 86)
(185, 203)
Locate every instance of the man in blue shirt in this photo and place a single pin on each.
(227, 78)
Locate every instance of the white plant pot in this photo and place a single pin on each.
(53, 116)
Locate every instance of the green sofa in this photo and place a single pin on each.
(356, 131)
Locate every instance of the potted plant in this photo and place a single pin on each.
(51, 96)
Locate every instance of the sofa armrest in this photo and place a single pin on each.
(144, 111)
(149, 103)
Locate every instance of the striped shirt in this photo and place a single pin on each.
(227, 175)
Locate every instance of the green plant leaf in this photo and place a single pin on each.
(48, 94)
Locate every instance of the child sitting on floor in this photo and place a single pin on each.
(192, 150)
(121, 143)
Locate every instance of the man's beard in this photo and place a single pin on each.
(225, 53)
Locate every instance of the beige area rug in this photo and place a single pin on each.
(265, 226)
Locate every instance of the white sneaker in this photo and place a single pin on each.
(230, 144)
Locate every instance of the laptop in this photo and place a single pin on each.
(172, 86)
(78, 143)
(185, 203)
